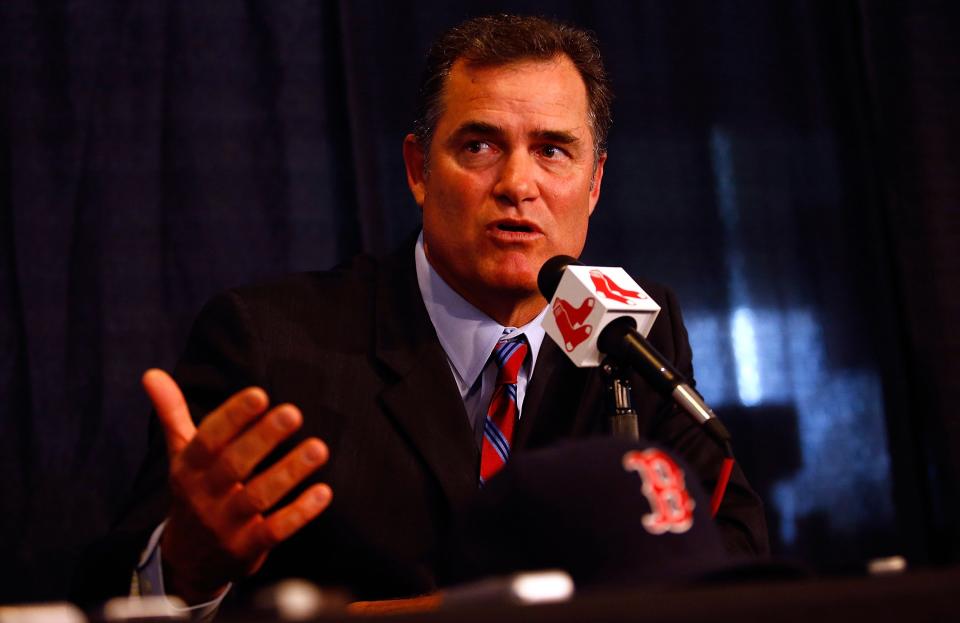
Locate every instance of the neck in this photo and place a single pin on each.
(509, 308)
(511, 313)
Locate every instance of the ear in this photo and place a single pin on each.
(595, 184)
(413, 158)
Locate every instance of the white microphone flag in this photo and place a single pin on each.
(587, 299)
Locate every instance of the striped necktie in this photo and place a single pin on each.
(502, 412)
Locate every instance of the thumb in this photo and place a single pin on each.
(171, 408)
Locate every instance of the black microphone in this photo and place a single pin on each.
(608, 299)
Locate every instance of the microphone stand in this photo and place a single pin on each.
(622, 418)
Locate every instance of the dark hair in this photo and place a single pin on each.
(502, 39)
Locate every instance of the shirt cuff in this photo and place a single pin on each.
(148, 581)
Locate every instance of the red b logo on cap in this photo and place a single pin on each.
(671, 506)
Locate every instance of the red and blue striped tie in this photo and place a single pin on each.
(502, 413)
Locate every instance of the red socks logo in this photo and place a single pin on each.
(671, 507)
(609, 288)
(570, 321)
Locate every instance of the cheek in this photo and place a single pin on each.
(571, 228)
(458, 200)
(571, 211)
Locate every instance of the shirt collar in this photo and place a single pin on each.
(466, 334)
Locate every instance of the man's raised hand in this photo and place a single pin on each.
(218, 529)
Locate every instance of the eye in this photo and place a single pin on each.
(551, 152)
(475, 152)
(476, 147)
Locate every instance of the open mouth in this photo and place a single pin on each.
(515, 227)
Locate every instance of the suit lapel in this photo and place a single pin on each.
(424, 400)
(561, 401)
(544, 376)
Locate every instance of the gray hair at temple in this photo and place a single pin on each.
(501, 39)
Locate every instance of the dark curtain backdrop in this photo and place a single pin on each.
(791, 168)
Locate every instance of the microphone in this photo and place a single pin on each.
(584, 300)
(597, 310)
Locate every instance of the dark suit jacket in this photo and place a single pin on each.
(354, 349)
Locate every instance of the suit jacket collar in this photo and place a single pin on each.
(423, 398)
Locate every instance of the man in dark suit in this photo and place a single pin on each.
(375, 368)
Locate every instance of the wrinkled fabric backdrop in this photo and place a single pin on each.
(790, 168)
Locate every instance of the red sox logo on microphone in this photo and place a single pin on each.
(671, 506)
(611, 290)
(571, 321)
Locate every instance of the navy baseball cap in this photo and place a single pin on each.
(610, 512)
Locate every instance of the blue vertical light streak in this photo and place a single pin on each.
(742, 331)
(744, 340)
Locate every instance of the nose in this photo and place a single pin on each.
(517, 182)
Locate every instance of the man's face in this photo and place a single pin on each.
(511, 179)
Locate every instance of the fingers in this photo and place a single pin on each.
(282, 524)
(268, 488)
(242, 455)
(171, 408)
(261, 534)
(224, 423)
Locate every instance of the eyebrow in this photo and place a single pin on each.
(484, 129)
(560, 137)
(474, 128)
